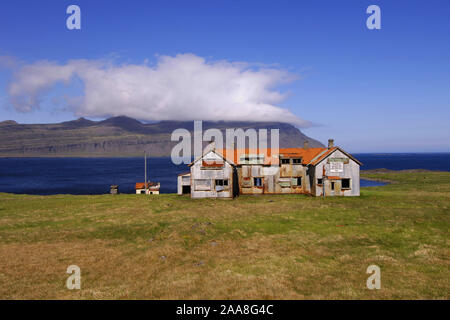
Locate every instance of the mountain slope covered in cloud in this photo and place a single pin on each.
(183, 87)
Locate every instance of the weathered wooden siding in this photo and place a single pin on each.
(275, 180)
(203, 179)
(350, 171)
(281, 179)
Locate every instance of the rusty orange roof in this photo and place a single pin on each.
(322, 156)
(141, 185)
(306, 154)
(319, 157)
(234, 155)
(309, 155)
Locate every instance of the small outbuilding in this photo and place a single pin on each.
(114, 189)
(147, 188)
(184, 183)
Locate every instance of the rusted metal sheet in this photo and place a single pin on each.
(269, 182)
(256, 171)
(297, 170)
(212, 164)
(246, 171)
(286, 170)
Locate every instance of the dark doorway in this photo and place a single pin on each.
(235, 183)
(186, 190)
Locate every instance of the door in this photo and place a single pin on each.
(269, 183)
(186, 190)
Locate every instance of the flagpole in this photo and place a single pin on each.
(145, 161)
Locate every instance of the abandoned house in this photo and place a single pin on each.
(315, 171)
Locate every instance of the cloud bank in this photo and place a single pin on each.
(182, 87)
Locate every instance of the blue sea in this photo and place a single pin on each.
(94, 175)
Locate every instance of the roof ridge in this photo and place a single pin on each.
(318, 156)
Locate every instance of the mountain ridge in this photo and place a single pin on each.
(119, 136)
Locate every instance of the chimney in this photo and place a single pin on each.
(305, 144)
(330, 143)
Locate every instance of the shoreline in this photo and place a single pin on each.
(169, 193)
(363, 176)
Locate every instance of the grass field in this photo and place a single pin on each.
(253, 247)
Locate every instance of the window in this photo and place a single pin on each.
(221, 182)
(285, 183)
(319, 182)
(202, 184)
(186, 180)
(285, 161)
(345, 183)
(297, 181)
(257, 182)
(297, 161)
(332, 185)
(251, 159)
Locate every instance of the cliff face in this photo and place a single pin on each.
(117, 136)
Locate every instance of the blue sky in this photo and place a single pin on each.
(371, 90)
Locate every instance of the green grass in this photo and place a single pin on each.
(252, 247)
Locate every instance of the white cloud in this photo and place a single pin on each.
(183, 87)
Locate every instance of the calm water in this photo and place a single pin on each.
(95, 175)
